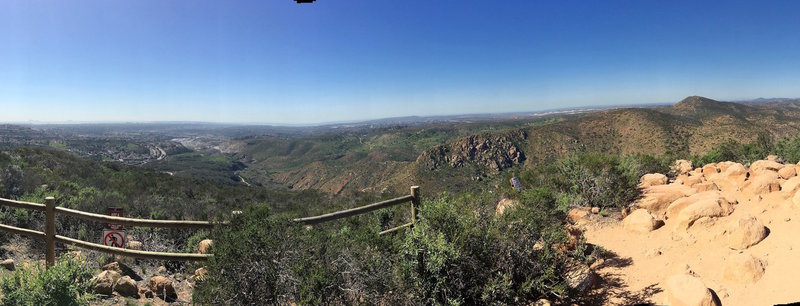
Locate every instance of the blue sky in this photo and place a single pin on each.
(275, 61)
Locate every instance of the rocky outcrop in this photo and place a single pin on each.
(745, 232)
(688, 290)
(681, 167)
(492, 153)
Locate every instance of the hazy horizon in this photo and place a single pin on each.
(284, 63)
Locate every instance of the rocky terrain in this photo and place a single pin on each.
(718, 234)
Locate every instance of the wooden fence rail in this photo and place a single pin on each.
(50, 210)
(49, 234)
(414, 198)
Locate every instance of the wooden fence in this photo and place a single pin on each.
(49, 235)
(50, 210)
(414, 198)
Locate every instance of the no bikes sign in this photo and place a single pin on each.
(114, 235)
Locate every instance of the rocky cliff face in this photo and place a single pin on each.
(493, 153)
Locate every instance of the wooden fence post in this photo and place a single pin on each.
(50, 230)
(415, 202)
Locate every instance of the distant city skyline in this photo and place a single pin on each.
(280, 62)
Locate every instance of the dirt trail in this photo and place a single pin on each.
(641, 262)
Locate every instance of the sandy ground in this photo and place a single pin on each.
(640, 263)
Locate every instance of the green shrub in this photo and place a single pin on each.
(459, 254)
(788, 148)
(65, 283)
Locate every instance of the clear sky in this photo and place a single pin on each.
(275, 61)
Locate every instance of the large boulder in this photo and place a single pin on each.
(681, 166)
(652, 179)
(707, 207)
(104, 282)
(761, 183)
(688, 290)
(745, 232)
(204, 247)
(504, 205)
(657, 198)
(640, 221)
(675, 207)
(743, 268)
(760, 166)
(791, 185)
(126, 287)
(787, 172)
(162, 288)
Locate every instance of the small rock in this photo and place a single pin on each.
(104, 282)
(146, 292)
(134, 245)
(595, 210)
(126, 287)
(505, 205)
(205, 246)
(8, 264)
(114, 266)
(579, 277)
(162, 287)
(542, 302)
(200, 274)
(162, 270)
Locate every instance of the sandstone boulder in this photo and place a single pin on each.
(675, 207)
(688, 290)
(681, 166)
(743, 268)
(692, 180)
(126, 287)
(709, 170)
(706, 186)
(595, 210)
(205, 246)
(791, 185)
(736, 172)
(787, 172)
(796, 199)
(640, 221)
(134, 245)
(504, 205)
(104, 282)
(760, 166)
(162, 288)
(656, 198)
(579, 215)
(745, 232)
(652, 179)
(761, 183)
(7, 264)
(708, 207)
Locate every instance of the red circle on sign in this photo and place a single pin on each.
(114, 239)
